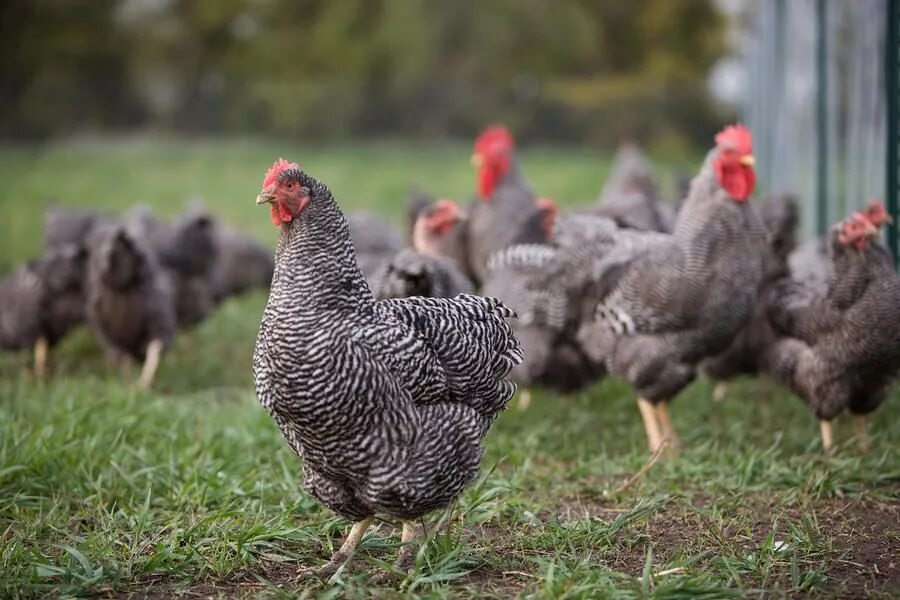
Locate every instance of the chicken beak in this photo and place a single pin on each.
(264, 198)
(476, 161)
(748, 160)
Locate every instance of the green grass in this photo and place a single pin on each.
(189, 489)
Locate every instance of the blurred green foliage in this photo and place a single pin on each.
(586, 70)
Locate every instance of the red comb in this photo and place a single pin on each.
(495, 138)
(273, 173)
(737, 137)
(877, 213)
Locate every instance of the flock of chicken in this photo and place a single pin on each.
(134, 280)
(383, 373)
(656, 292)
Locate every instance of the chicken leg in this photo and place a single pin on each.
(825, 431)
(860, 424)
(524, 399)
(151, 362)
(342, 555)
(41, 346)
(651, 426)
(720, 391)
(666, 428)
(406, 557)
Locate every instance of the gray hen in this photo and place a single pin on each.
(130, 304)
(748, 354)
(843, 349)
(242, 263)
(42, 301)
(386, 401)
(630, 196)
(672, 303)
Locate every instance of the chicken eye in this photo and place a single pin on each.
(290, 186)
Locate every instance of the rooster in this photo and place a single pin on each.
(825, 359)
(748, 353)
(42, 301)
(386, 401)
(505, 212)
(672, 300)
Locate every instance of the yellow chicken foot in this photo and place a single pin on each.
(524, 399)
(406, 557)
(666, 428)
(720, 391)
(342, 555)
(651, 426)
(860, 424)
(825, 431)
(151, 362)
(41, 347)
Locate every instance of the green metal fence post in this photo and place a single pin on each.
(822, 117)
(892, 88)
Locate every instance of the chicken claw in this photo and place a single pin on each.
(341, 556)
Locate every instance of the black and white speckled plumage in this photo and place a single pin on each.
(130, 301)
(679, 298)
(411, 273)
(44, 298)
(843, 345)
(385, 401)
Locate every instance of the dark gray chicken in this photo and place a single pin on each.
(630, 196)
(843, 346)
(386, 401)
(130, 304)
(375, 242)
(69, 225)
(668, 304)
(187, 250)
(42, 301)
(505, 212)
(242, 263)
(748, 353)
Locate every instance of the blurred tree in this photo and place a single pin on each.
(593, 70)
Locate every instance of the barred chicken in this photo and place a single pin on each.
(671, 302)
(424, 269)
(749, 352)
(130, 304)
(68, 225)
(504, 212)
(386, 402)
(42, 301)
(842, 347)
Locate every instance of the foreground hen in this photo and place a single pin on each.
(385, 401)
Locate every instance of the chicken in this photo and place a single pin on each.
(543, 283)
(187, 252)
(810, 264)
(504, 213)
(449, 241)
(66, 225)
(386, 402)
(749, 351)
(242, 264)
(375, 242)
(130, 304)
(423, 270)
(41, 301)
(672, 300)
(842, 347)
(630, 196)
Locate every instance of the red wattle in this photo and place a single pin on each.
(273, 214)
(738, 181)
